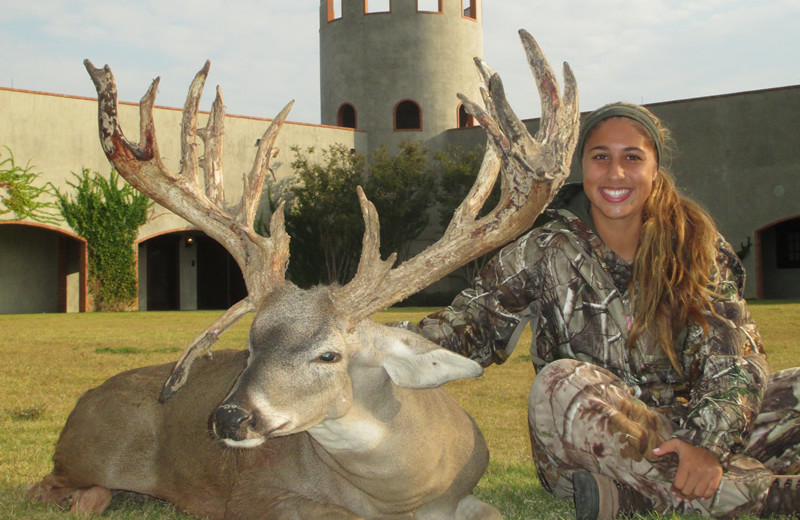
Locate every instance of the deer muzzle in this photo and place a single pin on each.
(232, 425)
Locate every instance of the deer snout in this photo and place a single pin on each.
(232, 424)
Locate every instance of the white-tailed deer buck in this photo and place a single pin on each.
(327, 415)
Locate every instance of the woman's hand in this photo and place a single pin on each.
(699, 471)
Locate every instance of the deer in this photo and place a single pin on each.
(327, 414)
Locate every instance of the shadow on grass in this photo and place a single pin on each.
(515, 490)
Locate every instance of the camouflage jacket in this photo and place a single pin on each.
(573, 291)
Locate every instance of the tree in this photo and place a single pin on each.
(108, 217)
(402, 188)
(324, 218)
(19, 193)
(457, 171)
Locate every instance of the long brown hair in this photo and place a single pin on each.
(675, 263)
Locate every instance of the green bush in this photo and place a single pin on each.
(108, 217)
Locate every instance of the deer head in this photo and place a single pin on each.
(530, 168)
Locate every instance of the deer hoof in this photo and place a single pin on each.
(94, 499)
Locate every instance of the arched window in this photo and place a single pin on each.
(407, 116)
(334, 9)
(346, 116)
(465, 119)
(377, 6)
(470, 9)
(429, 6)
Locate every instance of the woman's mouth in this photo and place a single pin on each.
(615, 194)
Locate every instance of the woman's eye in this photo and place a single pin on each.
(329, 357)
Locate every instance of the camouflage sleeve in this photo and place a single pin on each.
(727, 370)
(484, 322)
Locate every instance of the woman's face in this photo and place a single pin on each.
(619, 167)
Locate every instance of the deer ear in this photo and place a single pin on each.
(415, 362)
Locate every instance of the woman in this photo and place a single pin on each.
(651, 377)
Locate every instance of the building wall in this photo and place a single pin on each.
(738, 155)
(58, 135)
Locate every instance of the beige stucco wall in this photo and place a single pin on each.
(58, 135)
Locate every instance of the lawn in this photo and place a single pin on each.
(50, 359)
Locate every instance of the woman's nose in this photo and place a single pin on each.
(616, 169)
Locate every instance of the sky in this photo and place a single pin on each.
(265, 53)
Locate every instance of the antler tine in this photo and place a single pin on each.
(531, 171)
(211, 161)
(263, 261)
(189, 161)
(254, 181)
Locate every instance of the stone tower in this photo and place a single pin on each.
(393, 67)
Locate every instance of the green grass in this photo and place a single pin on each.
(48, 360)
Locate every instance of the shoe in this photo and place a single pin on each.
(598, 497)
(783, 497)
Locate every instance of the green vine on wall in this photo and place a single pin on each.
(19, 194)
(108, 216)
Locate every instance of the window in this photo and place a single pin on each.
(787, 242)
(334, 9)
(346, 116)
(377, 6)
(470, 9)
(407, 116)
(465, 119)
(429, 6)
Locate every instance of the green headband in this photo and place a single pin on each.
(634, 112)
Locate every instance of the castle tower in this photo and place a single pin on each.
(394, 67)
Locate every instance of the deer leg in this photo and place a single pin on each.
(472, 508)
(94, 499)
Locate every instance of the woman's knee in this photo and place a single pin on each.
(553, 372)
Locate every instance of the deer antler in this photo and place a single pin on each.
(263, 261)
(531, 169)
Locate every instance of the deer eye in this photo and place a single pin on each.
(329, 357)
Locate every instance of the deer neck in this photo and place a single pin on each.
(368, 422)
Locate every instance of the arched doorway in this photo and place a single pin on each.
(220, 283)
(42, 269)
(779, 260)
(187, 270)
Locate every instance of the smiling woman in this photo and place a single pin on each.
(642, 342)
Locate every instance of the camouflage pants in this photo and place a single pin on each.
(582, 417)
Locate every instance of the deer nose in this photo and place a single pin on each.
(230, 422)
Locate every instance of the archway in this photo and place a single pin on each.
(778, 260)
(42, 269)
(187, 270)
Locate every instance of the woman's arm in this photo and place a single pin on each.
(484, 322)
(726, 368)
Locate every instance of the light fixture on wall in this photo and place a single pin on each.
(188, 241)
